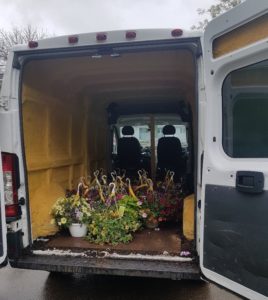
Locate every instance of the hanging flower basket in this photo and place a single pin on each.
(78, 230)
(151, 223)
(72, 212)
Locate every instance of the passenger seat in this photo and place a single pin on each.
(129, 151)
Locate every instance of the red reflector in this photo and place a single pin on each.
(10, 177)
(7, 162)
(176, 32)
(101, 37)
(131, 34)
(73, 39)
(12, 210)
(32, 44)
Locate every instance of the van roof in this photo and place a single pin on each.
(108, 37)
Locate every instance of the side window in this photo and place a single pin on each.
(245, 112)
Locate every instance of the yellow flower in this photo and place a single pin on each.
(63, 220)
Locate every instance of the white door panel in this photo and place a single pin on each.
(233, 236)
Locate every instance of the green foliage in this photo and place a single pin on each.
(114, 224)
(213, 11)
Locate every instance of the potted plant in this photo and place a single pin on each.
(150, 218)
(149, 212)
(72, 212)
(113, 222)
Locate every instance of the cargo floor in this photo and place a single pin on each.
(144, 242)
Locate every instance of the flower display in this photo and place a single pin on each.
(71, 209)
(114, 211)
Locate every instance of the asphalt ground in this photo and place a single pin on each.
(17, 284)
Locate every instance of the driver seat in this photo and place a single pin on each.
(169, 153)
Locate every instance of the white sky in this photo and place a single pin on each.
(76, 16)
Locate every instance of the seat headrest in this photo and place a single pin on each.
(168, 130)
(127, 130)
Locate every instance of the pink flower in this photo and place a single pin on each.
(139, 203)
(119, 196)
(144, 215)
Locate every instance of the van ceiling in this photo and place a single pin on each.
(153, 76)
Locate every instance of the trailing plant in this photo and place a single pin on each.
(116, 223)
(71, 209)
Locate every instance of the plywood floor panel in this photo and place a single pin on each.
(144, 242)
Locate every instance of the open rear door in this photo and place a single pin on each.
(234, 234)
(3, 241)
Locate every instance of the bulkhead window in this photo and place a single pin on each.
(245, 112)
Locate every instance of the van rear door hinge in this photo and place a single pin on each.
(4, 102)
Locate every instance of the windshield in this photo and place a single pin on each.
(142, 128)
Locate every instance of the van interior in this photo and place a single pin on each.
(83, 113)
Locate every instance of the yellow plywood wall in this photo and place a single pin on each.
(65, 117)
(242, 36)
(188, 217)
(55, 146)
(98, 144)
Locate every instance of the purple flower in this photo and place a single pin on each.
(185, 253)
(79, 215)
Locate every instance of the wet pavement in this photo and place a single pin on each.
(16, 284)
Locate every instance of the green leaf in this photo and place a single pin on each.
(121, 211)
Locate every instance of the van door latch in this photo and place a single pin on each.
(249, 182)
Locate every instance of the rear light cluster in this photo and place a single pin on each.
(131, 35)
(11, 184)
(176, 32)
(73, 39)
(100, 37)
(32, 44)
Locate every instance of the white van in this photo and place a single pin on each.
(54, 126)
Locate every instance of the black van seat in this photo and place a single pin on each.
(129, 151)
(169, 153)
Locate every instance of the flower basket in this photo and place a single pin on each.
(78, 230)
(151, 223)
(71, 210)
(170, 198)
